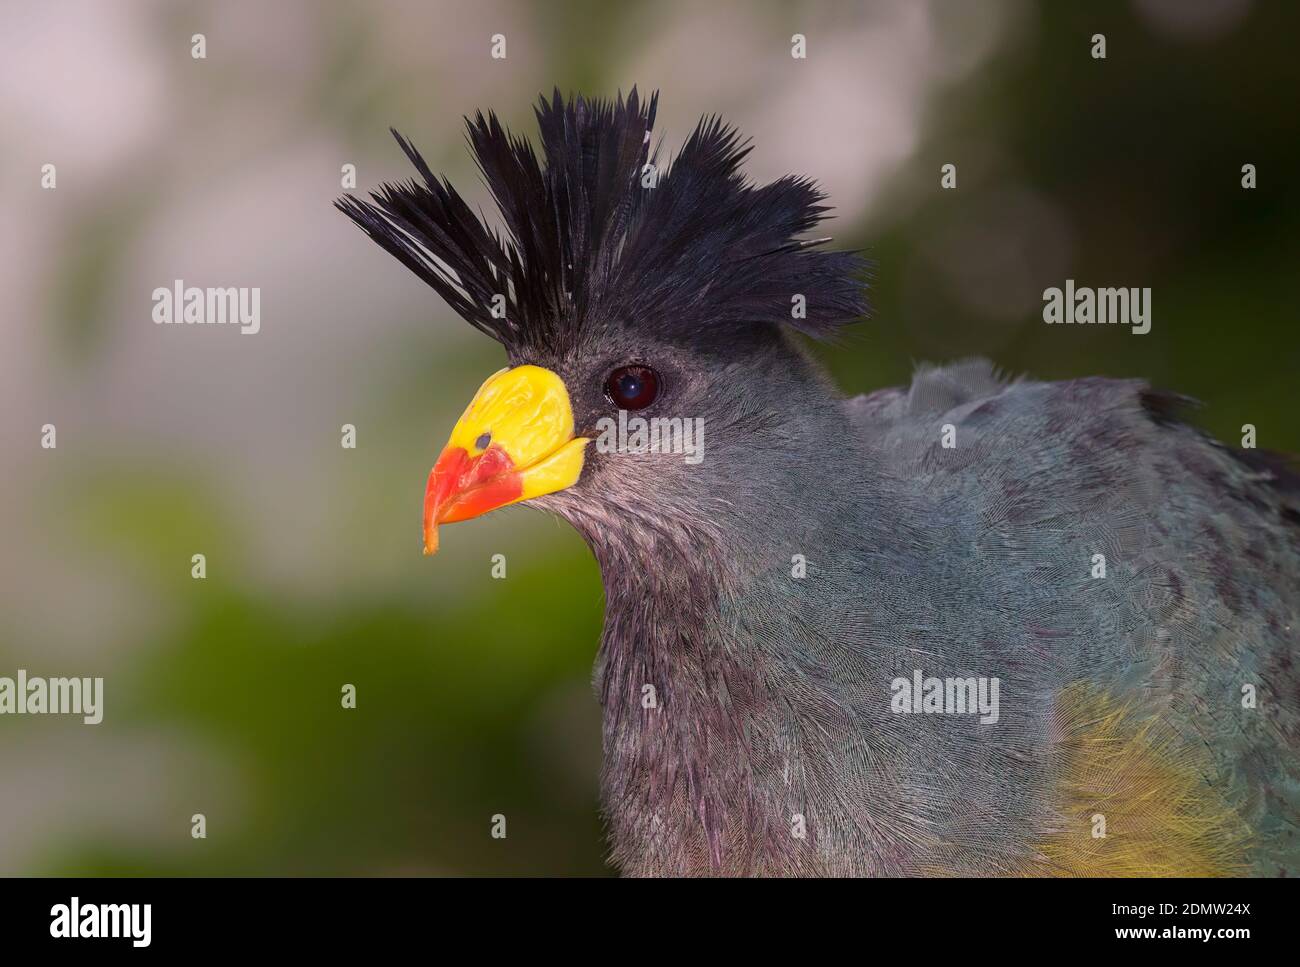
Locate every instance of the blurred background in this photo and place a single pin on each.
(222, 695)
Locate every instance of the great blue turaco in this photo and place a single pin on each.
(822, 607)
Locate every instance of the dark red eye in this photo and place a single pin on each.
(632, 387)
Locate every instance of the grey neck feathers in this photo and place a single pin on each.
(703, 619)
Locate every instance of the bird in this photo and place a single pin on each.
(977, 625)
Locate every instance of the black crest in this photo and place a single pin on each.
(594, 232)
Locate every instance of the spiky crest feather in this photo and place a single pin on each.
(585, 243)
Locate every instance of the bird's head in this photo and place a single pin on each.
(642, 309)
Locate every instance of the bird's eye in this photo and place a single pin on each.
(632, 387)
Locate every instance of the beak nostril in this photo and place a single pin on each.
(482, 442)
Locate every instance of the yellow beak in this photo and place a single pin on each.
(513, 442)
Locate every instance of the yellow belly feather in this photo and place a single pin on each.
(1162, 815)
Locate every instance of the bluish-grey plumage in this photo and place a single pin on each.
(748, 725)
(974, 561)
